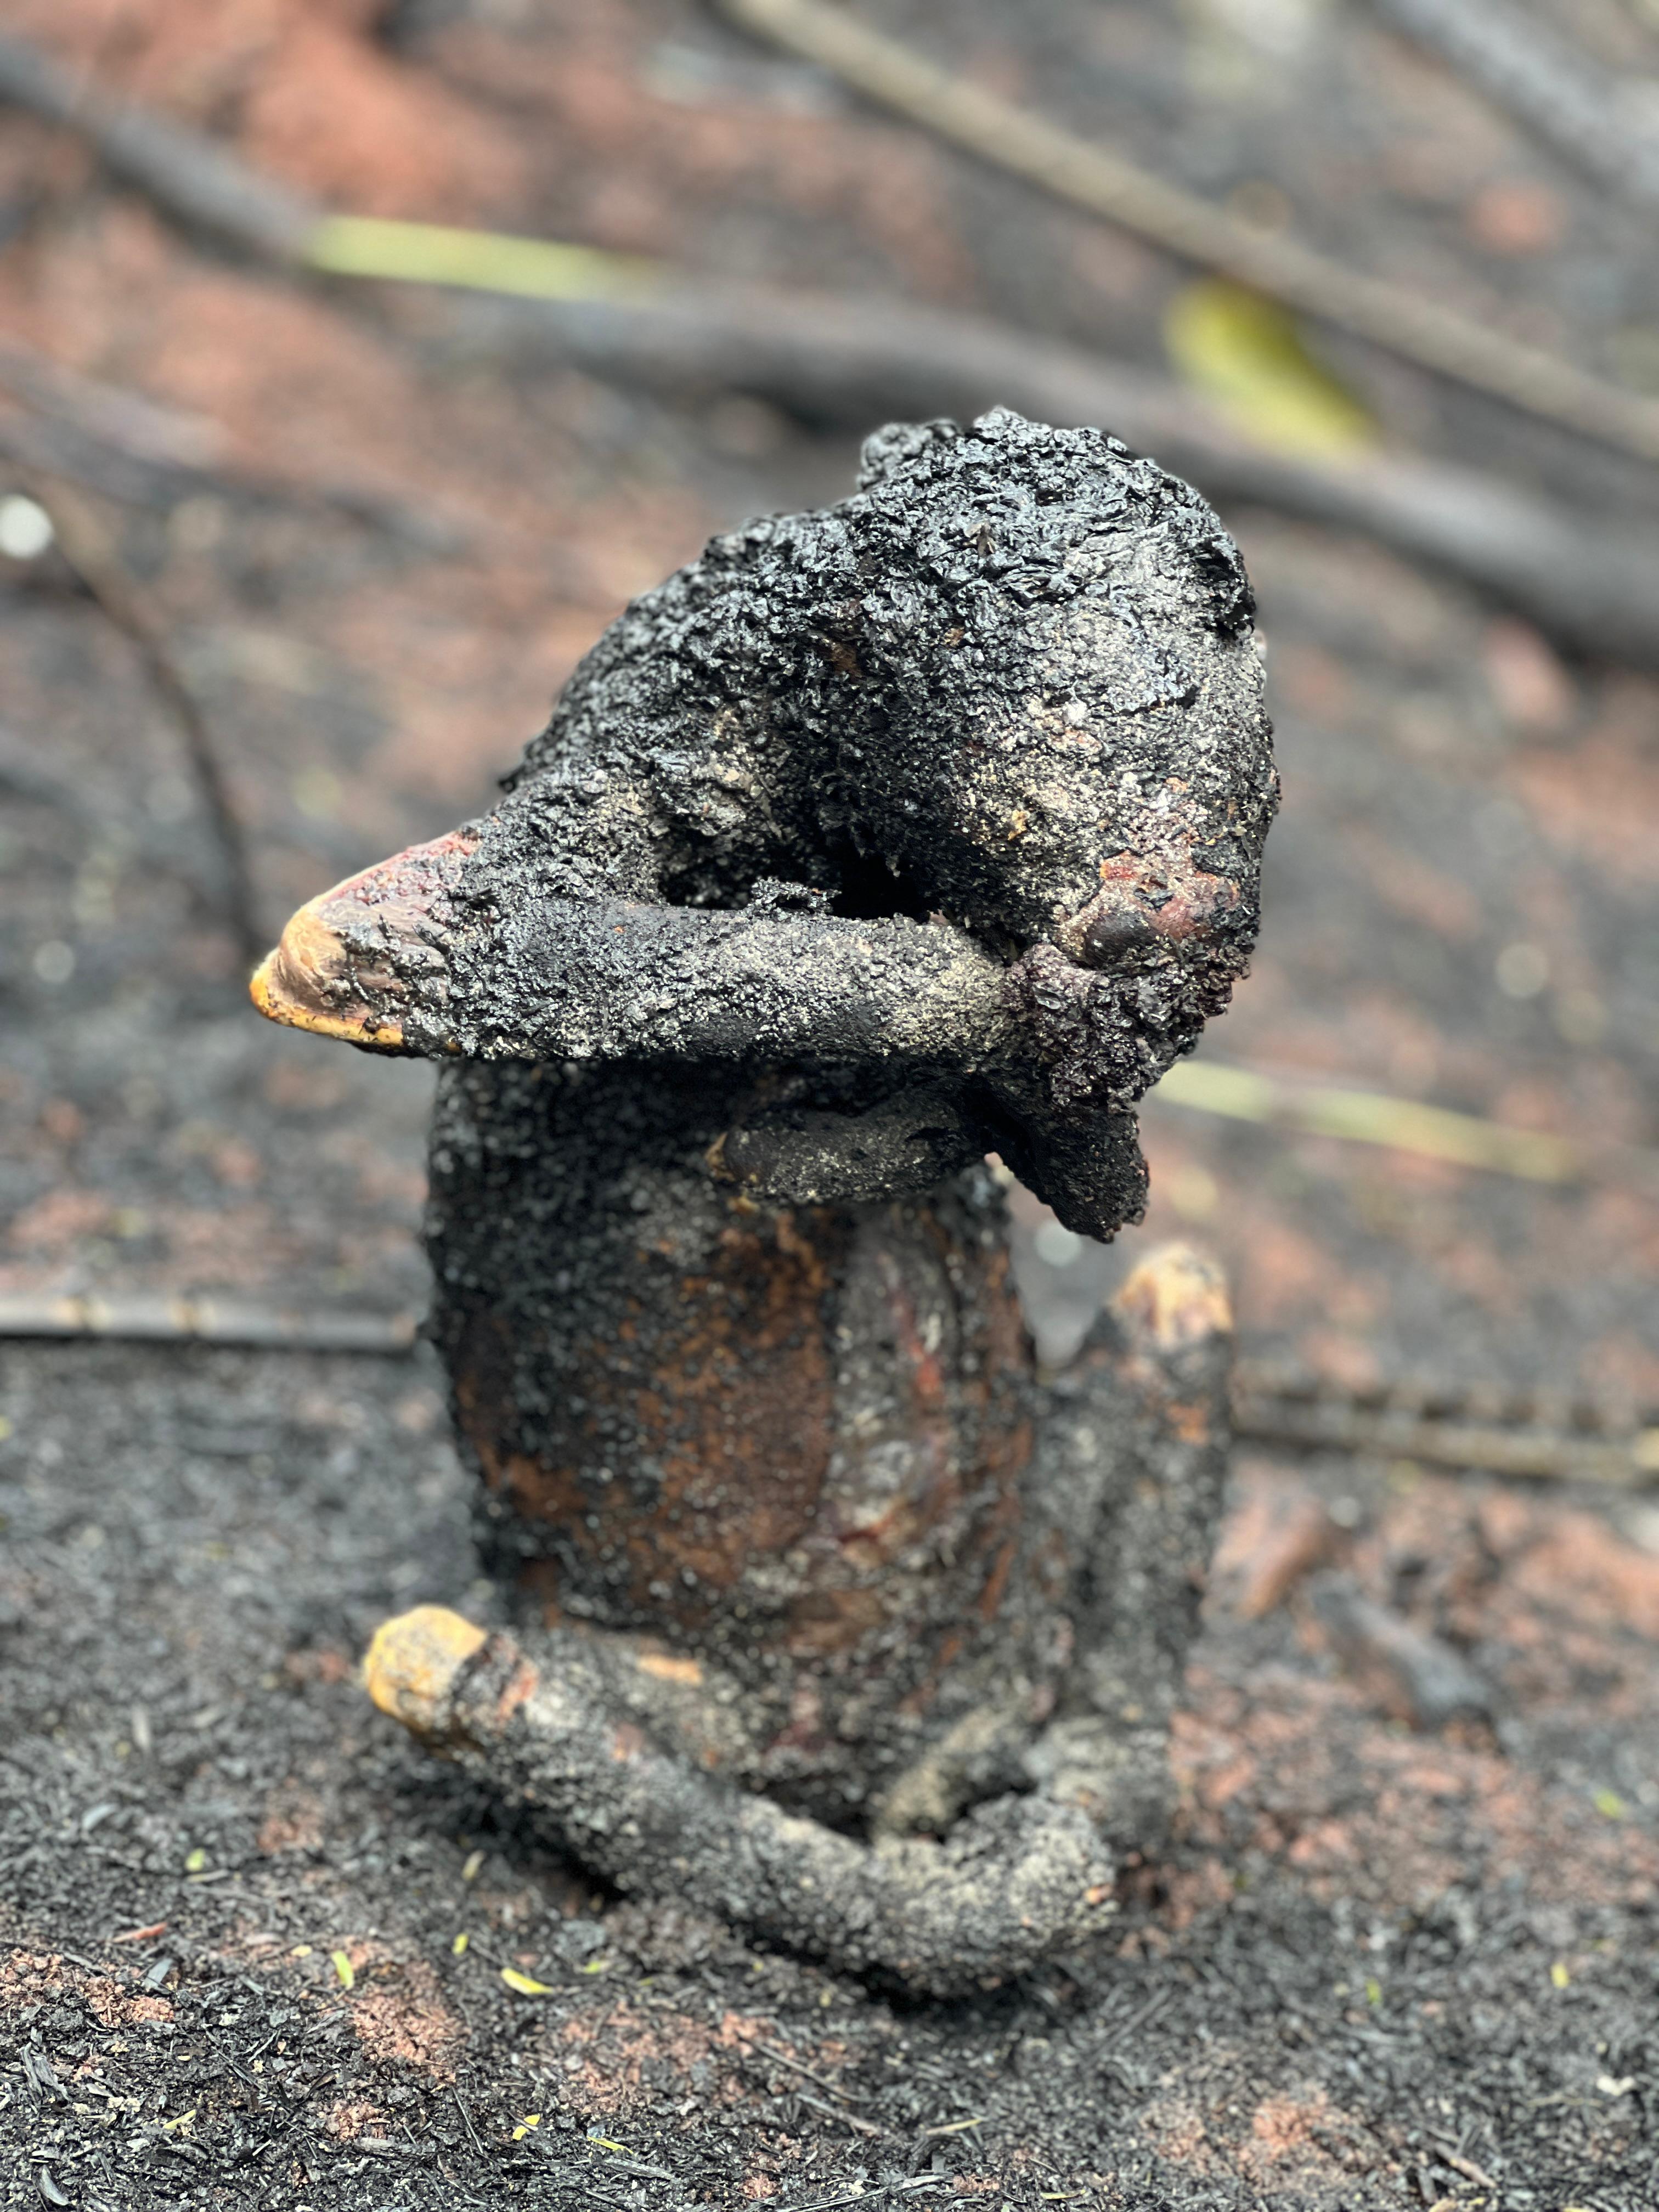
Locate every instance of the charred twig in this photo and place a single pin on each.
(61, 449)
(1140, 2018)
(36, 444)
(1591, 582)
(1544, 82)
(839, 2112)
(72, 91)
(1075, 171)
(87, 548)
(1430, 1398)
(466, 2119)
(795, 2065)
(134, 450)
(137, 1318)
(923, 2184)
(182, 171)
(1330, 1423)
(1406, 1125)
(1473, 1429)
(140, 428)
(1418, 1677)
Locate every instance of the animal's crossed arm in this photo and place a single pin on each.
(1005, 703)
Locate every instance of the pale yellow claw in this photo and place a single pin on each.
(413, 1660)
(394, 914)
(288, 983)
(1176, 1296)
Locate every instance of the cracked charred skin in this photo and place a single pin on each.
(876, 840)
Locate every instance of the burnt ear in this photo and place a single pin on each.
(1090, 1173)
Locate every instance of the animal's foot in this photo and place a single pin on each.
(1014, 1881)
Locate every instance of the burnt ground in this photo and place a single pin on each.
(1379, 1967)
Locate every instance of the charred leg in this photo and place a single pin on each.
(1010, 1885)
(1140, 1427)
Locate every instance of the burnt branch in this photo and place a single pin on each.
(91, 555)
(1588, 580)
(1082, 174)
(1546, 82)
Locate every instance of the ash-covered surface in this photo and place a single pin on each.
(1460, 801)
(1375, 1970)
(1454, 791)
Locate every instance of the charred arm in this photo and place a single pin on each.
(394, 961)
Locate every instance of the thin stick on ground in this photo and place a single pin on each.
(1404, 1125)
(1326, 1423)
(1083, 175)
(72, 92)
(148, 1317)
(89, 552)
(1476, 1427)
(187, 174)
(1587, 580)
(124, 446)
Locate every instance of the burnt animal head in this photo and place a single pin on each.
(1049, 685)
(959, 786)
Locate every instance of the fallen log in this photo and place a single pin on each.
(1080, 174)
(1588, 581)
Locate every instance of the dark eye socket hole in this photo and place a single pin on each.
(1111, 938)
(868, 890)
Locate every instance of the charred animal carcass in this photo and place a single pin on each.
(877, 841)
